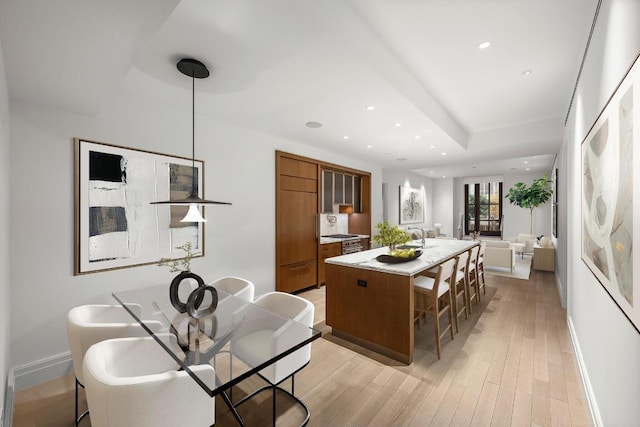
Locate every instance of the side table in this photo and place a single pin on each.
(544, 258)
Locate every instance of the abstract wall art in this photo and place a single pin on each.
(610, 199)
(115, 226)
(412, 205)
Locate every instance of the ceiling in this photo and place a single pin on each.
(279, 64)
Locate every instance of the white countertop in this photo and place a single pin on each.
(434, 252)
(325, 240)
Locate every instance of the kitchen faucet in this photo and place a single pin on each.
(421, 231)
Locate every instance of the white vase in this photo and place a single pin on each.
(545, 241)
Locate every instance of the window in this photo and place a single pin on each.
(483, 207)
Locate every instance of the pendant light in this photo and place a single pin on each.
(196, 70)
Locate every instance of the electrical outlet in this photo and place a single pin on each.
(362, 283)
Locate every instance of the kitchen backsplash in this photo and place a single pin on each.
(334, 224)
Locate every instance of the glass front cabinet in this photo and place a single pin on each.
(340, 188)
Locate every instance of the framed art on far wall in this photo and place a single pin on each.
(412, 205)
(610, 198)
(115, 226)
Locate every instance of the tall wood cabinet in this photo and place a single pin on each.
(299, 254)
(296, 223)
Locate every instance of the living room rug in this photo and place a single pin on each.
(522, 270)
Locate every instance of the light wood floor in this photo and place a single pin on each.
(511, 364)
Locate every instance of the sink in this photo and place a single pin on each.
(409, 247)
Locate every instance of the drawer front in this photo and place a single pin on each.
(297, 276)
(329, 250)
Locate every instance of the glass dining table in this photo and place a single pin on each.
(211, 339)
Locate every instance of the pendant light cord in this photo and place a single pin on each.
(193, 132)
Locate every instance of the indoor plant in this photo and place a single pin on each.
(390, 236)
(530, 197)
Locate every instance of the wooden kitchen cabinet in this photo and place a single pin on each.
(296, 223)
(327, 250)
(305, 188)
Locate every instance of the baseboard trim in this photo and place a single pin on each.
(586, 383)
(563, 303)
(43, 370)
(31, 374)
(9, 393)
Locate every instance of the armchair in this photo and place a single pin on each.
(134, 382)
(256, 341)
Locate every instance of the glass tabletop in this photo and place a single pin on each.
(211, 340)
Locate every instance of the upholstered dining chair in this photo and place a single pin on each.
(90, 324)
(135, 382)
(236, 286)
(472, 277)
(459, 288)
(255, 343)
(432, 296)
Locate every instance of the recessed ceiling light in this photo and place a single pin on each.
(398, 125)
(370, 107)
(444, 176)
(431, 172)
(527, 72)
(369, 146)
(526, 161)
(484, 45)
(443, 154)
(416, 137)
(528, 169)
(313, 125)
(432, 146)
(345, 137)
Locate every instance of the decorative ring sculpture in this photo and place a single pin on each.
(195, 299)
(175, 286)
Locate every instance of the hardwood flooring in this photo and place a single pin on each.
(511, 364)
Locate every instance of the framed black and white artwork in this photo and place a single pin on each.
(412, 205)
(115, 224)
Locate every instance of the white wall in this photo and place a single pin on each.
(607, 343)
(443, 206)
(394, 180)
(4, 229)
(518, 220)
(239, 239)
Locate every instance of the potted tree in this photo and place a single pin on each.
(530, 197)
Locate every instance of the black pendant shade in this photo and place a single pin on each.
(196, 70)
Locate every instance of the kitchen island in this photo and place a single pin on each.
(371, 303)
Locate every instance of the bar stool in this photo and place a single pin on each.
(480, 274)
(472, 277)
(460, 288)
(432, 296)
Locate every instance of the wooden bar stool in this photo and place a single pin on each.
(472, 277)
(480, 274)
(459, 288)
(432, 296)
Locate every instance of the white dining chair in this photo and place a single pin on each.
(257, 342)
(236, 286)
(135, 382)
(90, 324)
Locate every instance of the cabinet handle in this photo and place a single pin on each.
(299, 267)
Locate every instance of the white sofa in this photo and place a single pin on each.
(499, 253)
